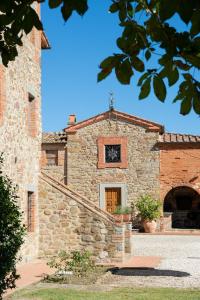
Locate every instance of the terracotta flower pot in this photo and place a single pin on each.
(118, 218)
(126, 218)
(149, 226)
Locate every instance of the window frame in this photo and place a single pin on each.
(30, 211)
(102, 142)
(56, 157)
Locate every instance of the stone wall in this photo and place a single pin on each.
(22, 150)
(179, 166)
(68, 224)
(142, 174)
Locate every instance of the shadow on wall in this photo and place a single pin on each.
(147, 272)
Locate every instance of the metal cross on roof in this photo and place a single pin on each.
(111, 101)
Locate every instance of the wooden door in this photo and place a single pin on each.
(113, 198)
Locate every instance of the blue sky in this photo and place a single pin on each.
(69, 74)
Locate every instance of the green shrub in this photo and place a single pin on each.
(149, 208)
(11, 232)
(79, 262)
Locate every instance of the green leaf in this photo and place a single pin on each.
(36, 21)
(139, 7)
(80, 6)
(167, 9)
(194, 60)
(114, 8)
(103, 74)
(178, 97)
(108, 62)
(181, 65)
(130, 10)
(187, 76)
(124, 72)
(142, 78)
(121, 43)
(137, 64)
(145, 89)
(66, 11)
(159, 88)
(27, 24)
(186, 106)
(173, 77)
(185, 10)
(196, 104)
(122, 15)
(54, 3)
(195, 29)
(147, 54)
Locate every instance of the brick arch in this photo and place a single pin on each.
(183, 203)
(168, 188)
(182, 184)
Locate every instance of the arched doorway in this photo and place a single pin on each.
(183, 203)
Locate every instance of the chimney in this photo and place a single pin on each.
(72, 120)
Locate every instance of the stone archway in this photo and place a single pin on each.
(183, 203)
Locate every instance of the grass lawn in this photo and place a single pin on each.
(115, 294)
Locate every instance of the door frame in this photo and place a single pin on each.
(102, 188)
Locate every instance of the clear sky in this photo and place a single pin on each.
(69, 74)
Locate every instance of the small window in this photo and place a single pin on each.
(31, 115)
(112, 153)
(30, 212)
(52, 157)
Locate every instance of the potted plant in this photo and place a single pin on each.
(122, 214)
(149, 210)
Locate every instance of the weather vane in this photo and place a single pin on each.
(111, 101)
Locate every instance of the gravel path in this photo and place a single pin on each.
(180, 265)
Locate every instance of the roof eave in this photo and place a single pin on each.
(44, 41)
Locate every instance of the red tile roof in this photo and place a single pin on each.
(178, 138)
(116, 115)
(53, 137)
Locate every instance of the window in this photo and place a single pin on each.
(52, 157)
(30, 212)
(112, 153)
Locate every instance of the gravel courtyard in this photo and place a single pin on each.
(179, 267)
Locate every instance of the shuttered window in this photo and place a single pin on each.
(30, 212)
(52, 157)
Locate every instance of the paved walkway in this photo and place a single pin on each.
(33, 272)
(159, 260)
(30, 273)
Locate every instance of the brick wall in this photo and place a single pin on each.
(179, 166)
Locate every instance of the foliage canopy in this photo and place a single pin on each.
(151, 42)
(11, 233)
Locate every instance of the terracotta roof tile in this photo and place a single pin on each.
(116, 115)
(53, 137)
(178, 138)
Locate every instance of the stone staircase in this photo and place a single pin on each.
(77, 197)
(70, 221)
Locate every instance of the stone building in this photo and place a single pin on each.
(114, 158)
(20, 129)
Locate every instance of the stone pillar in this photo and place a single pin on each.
(166, 222)
(128, 238)
(118, 239)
